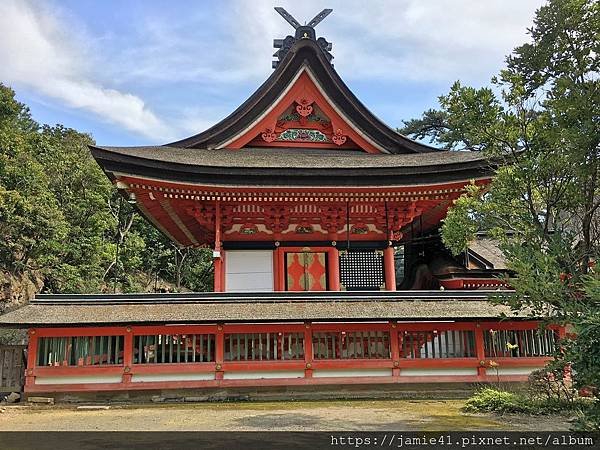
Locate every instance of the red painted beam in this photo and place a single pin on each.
(87, 331)
(230, 328)
(173, 329)
(349, 327)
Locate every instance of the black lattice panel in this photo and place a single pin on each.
(362, 270)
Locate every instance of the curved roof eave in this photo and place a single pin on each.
(231, 168)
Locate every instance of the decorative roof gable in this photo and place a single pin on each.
(304, 79)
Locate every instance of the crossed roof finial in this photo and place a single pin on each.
(294, 23)
(302, 32)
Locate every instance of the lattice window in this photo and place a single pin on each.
(437, 344)
(362, 270)
(520, 343)
(173, 348)
(351, 345)
(264, 346)
(80, 351)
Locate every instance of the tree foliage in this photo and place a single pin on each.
(539, 124)
(60, 217)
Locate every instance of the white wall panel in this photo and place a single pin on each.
(329, 373)
(150, 377)
(249, 270)
(437, 372)
(263, 375)
(87, 379)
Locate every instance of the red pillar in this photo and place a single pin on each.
(308, 351)
(334, 270)
(395, 348)
(31, 358)
(279, 269)
(389, 269)
(128, 355)
(480, 352)
(219, 351)
(218, 261)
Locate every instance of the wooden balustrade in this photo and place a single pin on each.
(304, 351)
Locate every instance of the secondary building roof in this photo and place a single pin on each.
(57, 310)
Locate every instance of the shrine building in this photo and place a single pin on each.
(328, 264)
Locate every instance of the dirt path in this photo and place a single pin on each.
(422, 415)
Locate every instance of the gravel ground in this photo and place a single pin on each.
(358, 415)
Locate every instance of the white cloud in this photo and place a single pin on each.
(427, 40)
(40, 51)
(424, 40)
(431, 40)
(228, 47)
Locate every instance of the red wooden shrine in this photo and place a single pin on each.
(328, 265)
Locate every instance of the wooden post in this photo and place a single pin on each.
(128, 355)
(389, 269)
(31, 358)
(394, 348)
(308, 351)
(279, 269)
(334, 269)
(480, 352)
(217, 257)
(219, 351)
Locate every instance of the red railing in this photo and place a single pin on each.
(216, 353)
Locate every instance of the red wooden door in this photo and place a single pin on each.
(306, 271)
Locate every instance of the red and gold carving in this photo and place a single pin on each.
(204, 214)
(338, 137)
(333, 218)
(277, 218)
(304, 107)
(304, 228)
(359, 228)
(269, 135)
(248, 228)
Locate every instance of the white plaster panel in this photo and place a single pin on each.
(511, 371)
(150, 377)
(93, 379)
(249, 271)
(437, 372)
(263, 375)
(328, 373)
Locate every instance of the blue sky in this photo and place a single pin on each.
(150, 72)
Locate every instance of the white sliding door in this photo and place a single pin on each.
(249, 271)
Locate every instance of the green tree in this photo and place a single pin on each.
(61, 218)
(539, 125)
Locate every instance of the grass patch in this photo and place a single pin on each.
(503, 402)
